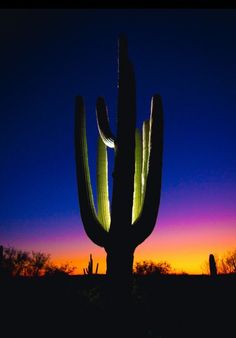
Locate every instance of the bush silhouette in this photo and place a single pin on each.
(15, 262)
(52, 270)
(228, 263)
(150, 268)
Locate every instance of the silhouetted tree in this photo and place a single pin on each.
(212, 265)
(38, 264)
(136, 177)
(22, 262)
(16, 262)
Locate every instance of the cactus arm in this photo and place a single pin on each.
(92, 226)
(123, 175)
(145, 223)
(137, 197)
(103, 123)
(102, 186)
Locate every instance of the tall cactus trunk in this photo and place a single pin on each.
(120, 258)
(119, 262)
(120, 272)
(118, 294)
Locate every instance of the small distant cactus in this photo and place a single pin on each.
(212, 265)
(89, 269)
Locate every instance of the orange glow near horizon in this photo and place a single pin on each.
(186, 249)
(185, 245)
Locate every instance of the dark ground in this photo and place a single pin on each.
(163, 307)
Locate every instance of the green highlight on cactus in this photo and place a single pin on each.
(142, 149)
(142, 155)
(103, 203)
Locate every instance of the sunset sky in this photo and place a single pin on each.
(50, 56)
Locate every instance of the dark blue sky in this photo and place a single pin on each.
(49, 56)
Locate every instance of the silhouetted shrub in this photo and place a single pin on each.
(150, 267)
(228, 263)
(39, 261)
(53, 270)
(16, 262)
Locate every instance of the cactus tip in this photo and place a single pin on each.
(123, 44)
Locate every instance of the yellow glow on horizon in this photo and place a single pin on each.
(185, 261)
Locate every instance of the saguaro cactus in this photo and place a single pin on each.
(212, 265)
(136, 176)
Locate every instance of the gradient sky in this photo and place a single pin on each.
(50, 56)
